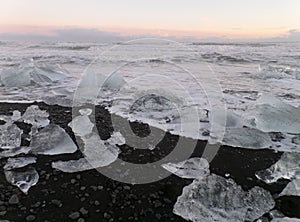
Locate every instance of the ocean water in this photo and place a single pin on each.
(197, 90)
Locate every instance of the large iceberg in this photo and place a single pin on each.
(191, 169)
(52, 140)
(215, 198)
(288, 167)
(28, 73)
(23, 178)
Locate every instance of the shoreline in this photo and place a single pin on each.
(57, 195)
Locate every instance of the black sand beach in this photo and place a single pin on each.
(90, 196)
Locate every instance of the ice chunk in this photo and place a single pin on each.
(292, 189)
(72, 166)
(116, 139)
(28, 73)
(15, 151)
(81, 125)
(190, 169)
(98, 153)
(14, 163)
(16, 115)
(85, 111)
(36, 117)
(286, 219)
(273, 115)
(288, 167)
(52, 140)
(246, 138)
(10, 136)
(215, 198)
(23, 178)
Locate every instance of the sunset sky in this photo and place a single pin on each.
(234, 19)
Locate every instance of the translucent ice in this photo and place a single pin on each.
(286, 219)
(116, 139)
(81, 125)
(15, 151)
(28, 73)
(52, 140)
(14, 163)
(73, 166)
(246, 138)
(23, 178)
(191, 169)
(10, 136)
(215, 198)
(288, 167)
(36, 117)
(273, 115)
(292, 189)
(98, 153)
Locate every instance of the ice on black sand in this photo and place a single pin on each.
(215, 198)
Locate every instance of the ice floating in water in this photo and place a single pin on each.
(28, 73)
(288, 167)
(36, 117)
(14, 163)
(10, 136)
(52, 140)
(246, 138)
(15, 151)
(215, 198)
(191, 169)
(23, 178)
(292, 189)
(273, 115)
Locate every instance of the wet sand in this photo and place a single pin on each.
(90, 196)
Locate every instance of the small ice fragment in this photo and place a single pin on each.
(116, 139)
(10, 136)
(15, 151)
(16, 115)
(286, 219)
(23, 178)
(227, 175)
(52, 140)
(19, 162)
(36, 117)
(246, 138)
(190, 169)
(72, 166)
(81, 126)
(296, 139)
(288, 167)
(151, 147)
(292, 189)
(215, 198)
(85, 111)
